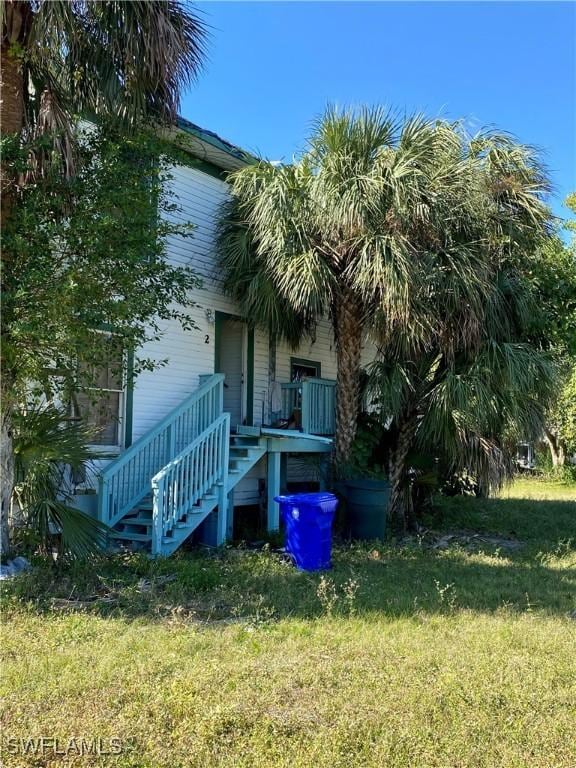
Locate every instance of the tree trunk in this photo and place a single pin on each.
(6, 480)
(399, 506)
(347, 313)
(12, 89)
(17, 21)
(556, 448)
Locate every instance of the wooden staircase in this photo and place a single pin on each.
(135, 529)
(164, 486)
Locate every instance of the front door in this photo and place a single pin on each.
(231, 339)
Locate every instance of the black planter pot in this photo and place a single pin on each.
(366, 503)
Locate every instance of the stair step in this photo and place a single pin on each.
(241, 450)
(244, 430)
(136, 521)
(244, 441)
(130, 536)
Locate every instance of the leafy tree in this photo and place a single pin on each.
(87, 254)
(551, 273)
(119, 60)
(356, 226)
(560, 426)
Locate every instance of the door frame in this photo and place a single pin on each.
(247, 359)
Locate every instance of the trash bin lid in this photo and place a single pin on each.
(306, 498)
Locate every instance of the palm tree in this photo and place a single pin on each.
(462, 378)
(64, 58)
(351, 227)
(468, 412)
(50, 449)
(61, 58)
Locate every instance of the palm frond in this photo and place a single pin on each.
(127, 59)
(49, 450)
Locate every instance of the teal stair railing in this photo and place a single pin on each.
(126, 480)
(198, 474)
(313, 402)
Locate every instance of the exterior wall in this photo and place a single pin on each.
(321, 349)
(189, 354)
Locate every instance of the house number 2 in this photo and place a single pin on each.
(207, 339)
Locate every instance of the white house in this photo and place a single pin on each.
(195, 438)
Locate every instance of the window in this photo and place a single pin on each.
(100, 405)
(304, 369)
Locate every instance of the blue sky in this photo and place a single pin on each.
(273, 66)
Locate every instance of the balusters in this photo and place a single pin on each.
(127, 479)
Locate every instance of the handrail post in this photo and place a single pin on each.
(332, 409)
(306, 406)
(103, 500)
(170, 442)
(220, 399)
(157, 516)
(222, 523)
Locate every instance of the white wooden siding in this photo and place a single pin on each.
(189, 354)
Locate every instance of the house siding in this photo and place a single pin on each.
(186, 355)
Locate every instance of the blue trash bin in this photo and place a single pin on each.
(308, 520)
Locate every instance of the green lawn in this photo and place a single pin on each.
(463, 654)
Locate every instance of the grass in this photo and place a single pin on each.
(400, 656)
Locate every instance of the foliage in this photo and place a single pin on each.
(49, 449)
(88, 254)
(548, 472)
(121, 61)
(109, 57)
(369, 225)
(460, 484)
(368, 454)
(468, 410)
(550, 273)
(365, 198)
(562, 416)
(563, 474)
(303, 659)
(558, 294)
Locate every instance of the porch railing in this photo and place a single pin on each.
(314, 402)
(182, 483)
(126, 481)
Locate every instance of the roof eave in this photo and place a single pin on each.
(208, 146)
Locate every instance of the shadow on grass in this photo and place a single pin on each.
(367, 579)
